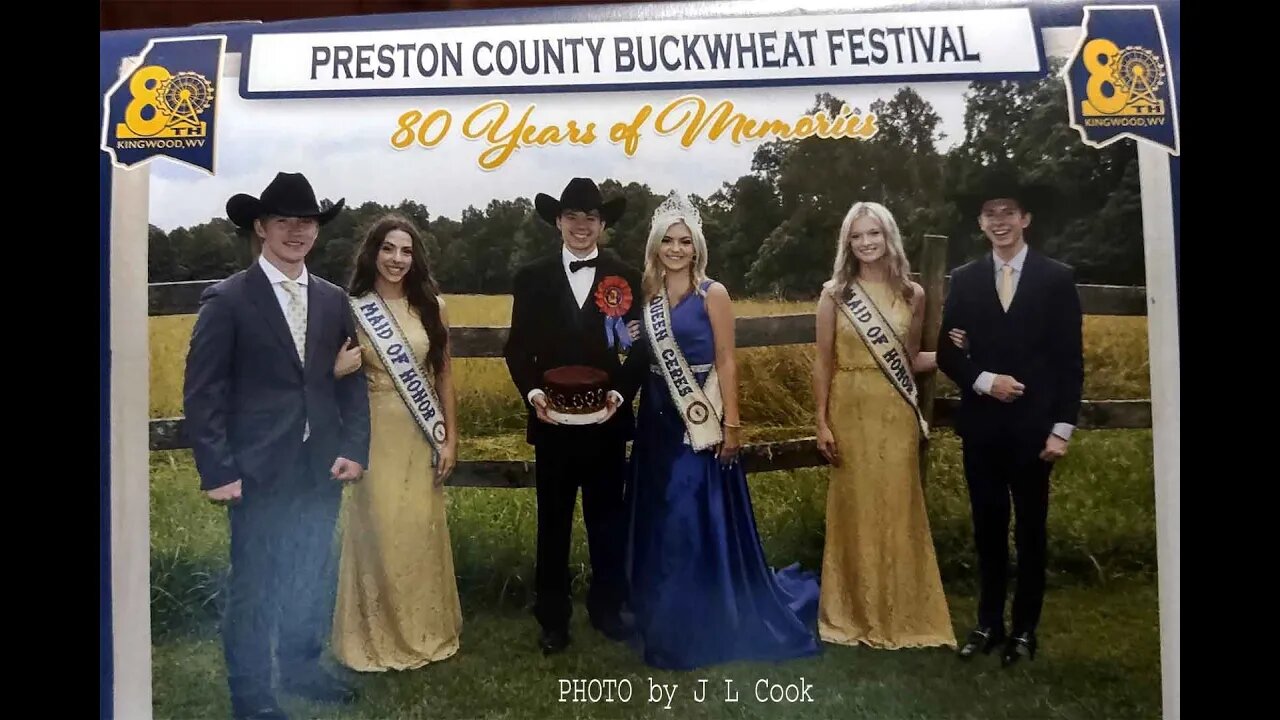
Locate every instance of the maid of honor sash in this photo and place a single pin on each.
(884, 345)
(412, 384)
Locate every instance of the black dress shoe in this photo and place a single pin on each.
(981, 640)
(319, 686)
(553, 641)
(1019, 646)
(614, 628)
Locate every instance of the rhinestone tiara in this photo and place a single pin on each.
(677, 208)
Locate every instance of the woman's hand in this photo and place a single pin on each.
(827, 445)
(728, 450)
(446, 460)
(348, 360)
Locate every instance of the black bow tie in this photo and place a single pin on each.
(576, 265)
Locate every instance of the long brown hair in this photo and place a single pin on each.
(419, 286)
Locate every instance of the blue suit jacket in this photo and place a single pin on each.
(1038, 341)
(246, 394)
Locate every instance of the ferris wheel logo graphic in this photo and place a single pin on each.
(1122, 81)
(166, 105)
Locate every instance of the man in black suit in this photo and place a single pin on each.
(1020, 375)
(274, 437)
(557, 321)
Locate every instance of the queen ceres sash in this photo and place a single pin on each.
(884, 345)
(699, 410)
(413, 385)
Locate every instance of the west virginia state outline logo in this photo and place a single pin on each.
(167, 105)
(1119, 83)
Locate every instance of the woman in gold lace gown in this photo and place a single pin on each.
(397, 602)
(880, 580)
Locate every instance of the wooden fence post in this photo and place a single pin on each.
(933, 278)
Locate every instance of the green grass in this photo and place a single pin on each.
(1100, 631)
(1101, 585)
(499, 673)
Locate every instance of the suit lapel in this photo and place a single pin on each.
(264, 296)
(991, 297)
(1026, 283)
(314, 310)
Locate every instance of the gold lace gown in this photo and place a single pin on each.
(397, 602)
(880, 580)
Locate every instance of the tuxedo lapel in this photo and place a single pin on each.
(562, 291)
(264, 296)
(588, 303)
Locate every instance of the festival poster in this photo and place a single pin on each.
(772, 121)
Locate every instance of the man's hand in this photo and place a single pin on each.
(612, 402)
(1006, 388)
(229, 493)
(540, 407)
(1054, 448)
(345, 470)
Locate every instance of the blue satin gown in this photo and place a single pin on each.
(699, 586)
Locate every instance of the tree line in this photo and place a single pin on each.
(772, 232)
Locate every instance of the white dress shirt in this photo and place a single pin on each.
(982, 385)
(580, 282)
(277, 278)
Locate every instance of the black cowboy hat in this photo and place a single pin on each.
(579, 194)
(1002, 182)
(288, 195)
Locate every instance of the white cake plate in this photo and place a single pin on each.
(570, 419)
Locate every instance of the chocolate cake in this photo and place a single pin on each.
(576, 389)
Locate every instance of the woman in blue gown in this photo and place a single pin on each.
(700, 588)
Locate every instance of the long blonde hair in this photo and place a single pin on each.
(846, 266)
(675, 209)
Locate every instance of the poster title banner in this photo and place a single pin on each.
(787, 50)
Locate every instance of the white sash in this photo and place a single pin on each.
(884, 345)
(413, 385)
(700, 411)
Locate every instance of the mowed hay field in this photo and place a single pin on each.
(775, 381)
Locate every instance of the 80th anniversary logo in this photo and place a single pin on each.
(167, 106)
(1119, 83)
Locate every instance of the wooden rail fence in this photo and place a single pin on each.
(182, 298)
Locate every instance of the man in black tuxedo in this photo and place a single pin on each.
(1020, 375)
(274, 437)
(555, 322)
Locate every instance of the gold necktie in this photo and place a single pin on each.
(297, 318)
(1006, 285)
